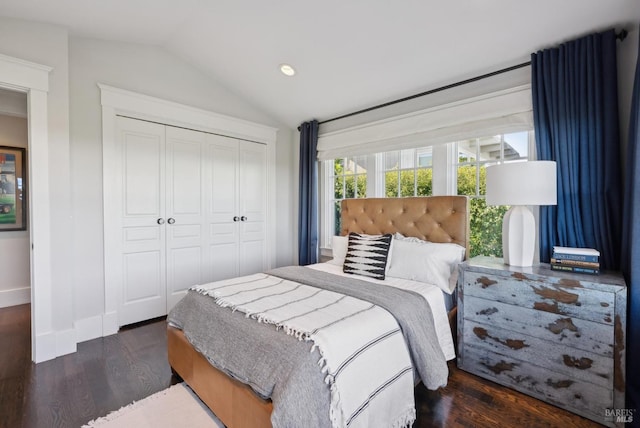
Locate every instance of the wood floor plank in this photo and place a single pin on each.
(108, 373)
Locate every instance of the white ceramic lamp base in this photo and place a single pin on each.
(518, 236)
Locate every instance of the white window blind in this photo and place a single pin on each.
(500, 112)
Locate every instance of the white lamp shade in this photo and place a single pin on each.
(522, 183)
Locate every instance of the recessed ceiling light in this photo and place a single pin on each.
(287, 70)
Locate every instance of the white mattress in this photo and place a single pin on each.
(432, 294)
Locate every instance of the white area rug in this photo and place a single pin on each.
(176, 406)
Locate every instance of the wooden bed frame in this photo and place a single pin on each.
(433, 218)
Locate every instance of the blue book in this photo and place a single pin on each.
(576, 269)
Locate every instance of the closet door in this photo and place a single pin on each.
(252, 204)
(184, 211)
(236, 207)
(192, 209)
(222, 207)
(141, 230)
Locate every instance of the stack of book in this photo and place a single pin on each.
(579, 260)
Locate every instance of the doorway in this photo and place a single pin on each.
(15, 276)
(33, 80)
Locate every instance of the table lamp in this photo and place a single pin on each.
(519, 184)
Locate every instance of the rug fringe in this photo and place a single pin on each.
(117, 413)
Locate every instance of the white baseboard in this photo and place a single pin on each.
(45, 347)
(110, 323)
(66, 342)
(88, 328)
(54, 344)
(16, 296)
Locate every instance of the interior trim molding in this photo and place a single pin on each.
(120, 102)
(33, 79)
(88, 328)
(171, 113)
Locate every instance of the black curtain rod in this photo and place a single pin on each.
(620, 36)
(429, 92)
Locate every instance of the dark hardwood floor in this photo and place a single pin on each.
(108, 373)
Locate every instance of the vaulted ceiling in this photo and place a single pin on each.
(349, 54)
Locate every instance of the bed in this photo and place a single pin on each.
(437, 219)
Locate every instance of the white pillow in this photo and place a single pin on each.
(425, 261)
(401, 237)
(339, 245)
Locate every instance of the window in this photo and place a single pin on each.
(454, 168)
(473, 156)
(348, 179)
(408, 173)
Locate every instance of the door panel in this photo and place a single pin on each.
(185, 214)
(222, 186)
(224, 261)
(252, 197)
(186, 272)
(142, 267)
(252, 259)
(143, 165)
(141, 286)
(222, 207)
(253, 206)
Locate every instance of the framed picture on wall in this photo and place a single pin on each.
(13, 195)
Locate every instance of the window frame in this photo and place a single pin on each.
(444, 166)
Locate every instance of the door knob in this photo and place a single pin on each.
(236, 218)
(171, 220)
(243, 218)
(160, 221)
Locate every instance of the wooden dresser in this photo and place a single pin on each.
(559, 337)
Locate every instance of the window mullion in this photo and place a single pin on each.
(443, 166)
(375, 179)
(327, 200)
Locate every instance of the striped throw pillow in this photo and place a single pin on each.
(367, 255)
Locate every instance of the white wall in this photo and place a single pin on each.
(75, 162)
(15, 280)
(48, 45)
(150, 71)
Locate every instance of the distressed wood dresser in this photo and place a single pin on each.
(559, 337)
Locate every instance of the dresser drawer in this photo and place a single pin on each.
(575, 363)
(582, 397)
(562, 330)
(565, 298)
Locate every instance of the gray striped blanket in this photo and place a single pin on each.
(283, 370)
(362, 348)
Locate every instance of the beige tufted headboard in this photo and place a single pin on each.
(432, 218)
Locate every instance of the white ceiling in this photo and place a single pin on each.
(349, 54)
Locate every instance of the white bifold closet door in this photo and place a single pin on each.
(193, 210)
(236, 207)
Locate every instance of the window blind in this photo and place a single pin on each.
(499, 112)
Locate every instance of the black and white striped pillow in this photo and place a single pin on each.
(367, 255)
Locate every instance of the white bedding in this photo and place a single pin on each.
(432, 294)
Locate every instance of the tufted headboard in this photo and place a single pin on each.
(432, 218)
